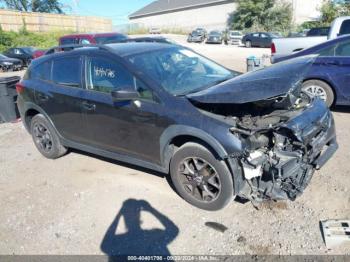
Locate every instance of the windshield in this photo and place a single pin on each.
(235, 33)
(215, 33)
(181, 71)
(29, 50)
(110, 39)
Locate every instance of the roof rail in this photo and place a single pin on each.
(63, 48)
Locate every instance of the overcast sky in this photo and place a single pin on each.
(117, 10)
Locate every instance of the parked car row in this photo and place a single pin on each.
(258, 39)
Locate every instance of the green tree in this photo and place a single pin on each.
(333, 9)
(268, 15)
(330, 10)
(45, 6)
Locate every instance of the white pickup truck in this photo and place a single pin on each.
(285, 46)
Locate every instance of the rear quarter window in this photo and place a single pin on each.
(42, 71)
(39, 72)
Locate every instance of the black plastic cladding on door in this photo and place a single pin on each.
(127, 127)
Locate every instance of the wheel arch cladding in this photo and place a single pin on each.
(179, 134)
(30, 113)
(32, 110)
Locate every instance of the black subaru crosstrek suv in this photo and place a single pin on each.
(164, 107)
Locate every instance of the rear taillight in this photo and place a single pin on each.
(20, 88)
(273, 48)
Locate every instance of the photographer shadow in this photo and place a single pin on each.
(137, 241)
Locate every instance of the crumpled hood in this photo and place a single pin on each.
(273, 81)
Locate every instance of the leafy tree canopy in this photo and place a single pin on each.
(265, 15)
(330, 10)
(45, 6)
(333, 9)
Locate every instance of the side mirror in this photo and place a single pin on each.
(125, 95)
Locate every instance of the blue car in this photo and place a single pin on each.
(329, 77)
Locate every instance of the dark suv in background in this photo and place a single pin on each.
(25, 54)
(167, 108)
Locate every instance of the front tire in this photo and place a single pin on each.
(200, 178)
(248, 44)
(45, 138)
(319, 89)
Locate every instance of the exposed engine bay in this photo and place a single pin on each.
(284, 139)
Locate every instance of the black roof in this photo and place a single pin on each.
(120, 49)
(166, 6)
(137, 48)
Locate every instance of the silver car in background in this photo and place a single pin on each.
(235, 37)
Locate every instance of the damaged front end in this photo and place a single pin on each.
(283, 149)
(285, 137)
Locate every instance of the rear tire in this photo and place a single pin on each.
(200, 178)
(45, 138)
(320, 89)
(248, 44)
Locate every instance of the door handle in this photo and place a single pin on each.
(88, 106)
(43, 97)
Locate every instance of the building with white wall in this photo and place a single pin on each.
(305, 10)
(184, 14)
(210, 14)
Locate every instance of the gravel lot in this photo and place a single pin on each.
(84, 204)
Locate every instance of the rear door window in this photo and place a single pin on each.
(66, 71)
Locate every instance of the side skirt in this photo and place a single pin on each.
(115, 156)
